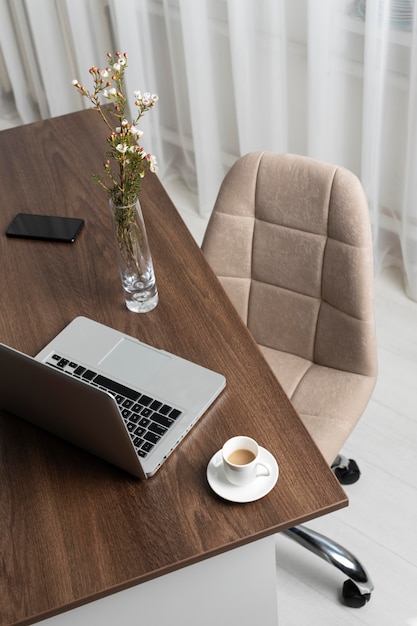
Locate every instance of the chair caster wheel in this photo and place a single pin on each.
(353, 597)
(349, 474)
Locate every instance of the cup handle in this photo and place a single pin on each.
(263, 469)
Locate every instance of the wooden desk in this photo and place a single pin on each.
(73, 528)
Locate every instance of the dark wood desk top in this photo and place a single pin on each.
(72, 528)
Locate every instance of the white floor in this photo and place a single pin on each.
(380, 525)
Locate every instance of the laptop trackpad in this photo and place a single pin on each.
(133, 363)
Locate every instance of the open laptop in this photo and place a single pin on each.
(108, 393)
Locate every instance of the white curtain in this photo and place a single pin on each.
(362, 113)
(334, 79)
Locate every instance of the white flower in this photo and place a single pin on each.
(122, 61)
(153, 166)
(74, 82)
(110, 93)
(104, 73)
(125, 122)
(135, 131)
(116, 67)
(155, 97)
(122, 147)
(118, 129)
(137, 94)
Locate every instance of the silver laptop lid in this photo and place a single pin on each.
(66, 407)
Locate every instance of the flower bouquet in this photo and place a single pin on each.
(125, 165)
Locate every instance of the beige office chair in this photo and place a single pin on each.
(290, 240)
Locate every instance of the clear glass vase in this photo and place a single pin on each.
(134, 257)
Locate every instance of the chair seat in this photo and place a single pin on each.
(329, 401)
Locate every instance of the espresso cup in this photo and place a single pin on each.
(241, 461)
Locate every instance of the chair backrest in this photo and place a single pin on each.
(290, 240)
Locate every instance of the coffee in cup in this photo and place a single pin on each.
(241, 457)
(241, 461)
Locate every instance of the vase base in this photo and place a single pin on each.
(138, 304)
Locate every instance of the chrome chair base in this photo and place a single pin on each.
(357, 589)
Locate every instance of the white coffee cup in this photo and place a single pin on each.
(241, 461)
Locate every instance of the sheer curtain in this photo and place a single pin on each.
(334, 79)
(363, 114)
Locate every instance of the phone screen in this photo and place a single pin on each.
(46, 227)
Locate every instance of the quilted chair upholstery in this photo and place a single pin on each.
(289, 238)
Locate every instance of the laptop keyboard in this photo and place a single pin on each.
(147, 419)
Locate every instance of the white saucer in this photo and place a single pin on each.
(249, 493)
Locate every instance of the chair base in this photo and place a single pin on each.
(357, 589)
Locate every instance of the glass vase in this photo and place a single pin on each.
(134, 257)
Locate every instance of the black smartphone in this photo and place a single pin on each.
(46, 227)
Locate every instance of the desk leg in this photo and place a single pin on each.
(237, 587)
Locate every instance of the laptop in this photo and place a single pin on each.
(108, 393)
